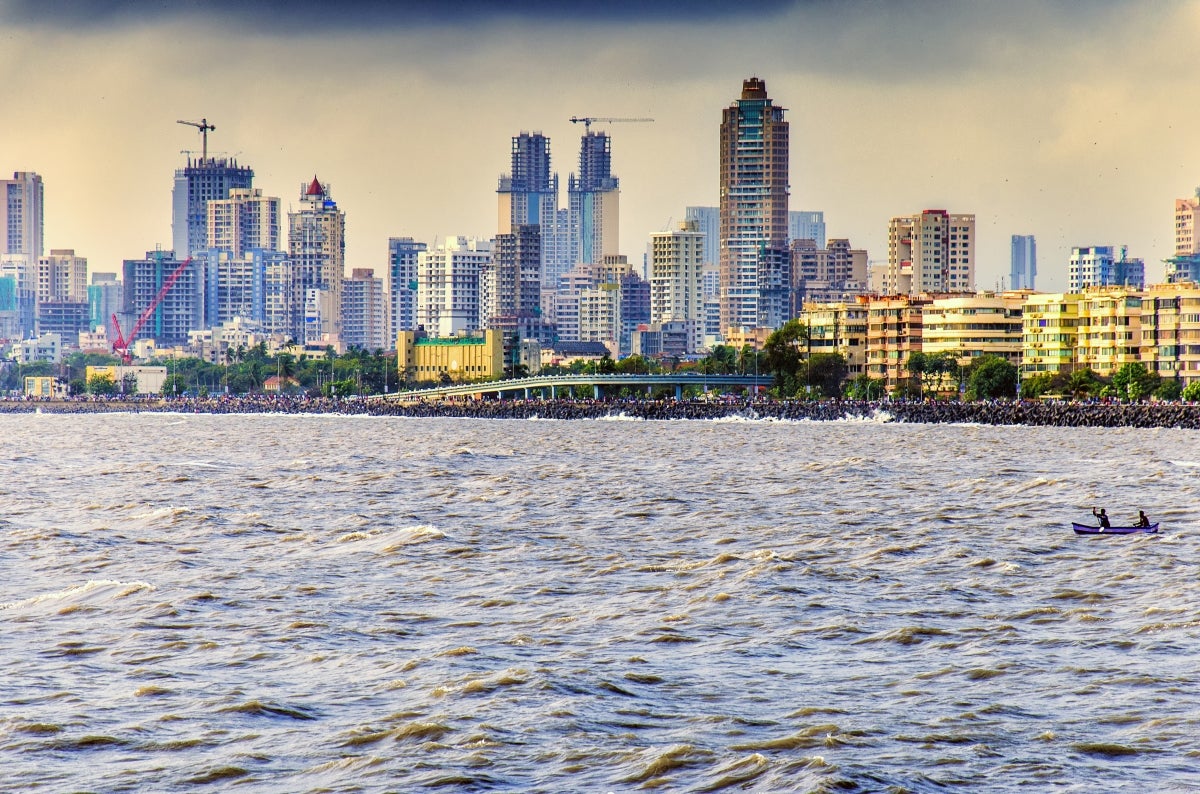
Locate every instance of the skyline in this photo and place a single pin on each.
(1055, 119)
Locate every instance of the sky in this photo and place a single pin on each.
(1073, 120)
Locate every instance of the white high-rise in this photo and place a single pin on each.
(448, 286)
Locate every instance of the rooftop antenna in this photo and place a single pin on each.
(204, 127)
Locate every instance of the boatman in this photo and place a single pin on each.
(1102, 517)
(1143, 520)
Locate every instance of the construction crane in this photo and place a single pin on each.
(204, 127)
(122, 343)
(587, 121)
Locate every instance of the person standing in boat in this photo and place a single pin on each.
(1143, 519)
(1102, 517)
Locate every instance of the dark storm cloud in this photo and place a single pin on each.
(265, 15)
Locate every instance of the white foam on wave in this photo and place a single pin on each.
(93, 590)
(1186, 464)
(384, 541)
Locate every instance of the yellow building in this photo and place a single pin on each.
(1110, 329)
(461, 358)
(1170, 342)
(839, 327)
(1050, 333)
(39, 386)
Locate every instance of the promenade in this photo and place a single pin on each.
(1057, 414)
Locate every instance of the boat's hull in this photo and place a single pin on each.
(1084, 529)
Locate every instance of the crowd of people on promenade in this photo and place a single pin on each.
(998, 412)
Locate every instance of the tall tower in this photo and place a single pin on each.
(1024, 262)
(203, 180)
(245, 219)
(593, 203)
(317, 248)
(21, 215)
(931, 252)
(755, 266)
(402, 284)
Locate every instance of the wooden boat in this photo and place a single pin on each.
(1084, 529)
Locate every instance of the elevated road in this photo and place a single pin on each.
(553, 386)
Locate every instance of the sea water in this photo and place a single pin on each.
(323, 603)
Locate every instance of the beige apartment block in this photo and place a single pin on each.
(1110, 329)
(839, 327)
(1050, 333)
(933, 251)
(894, 332)
(1170, 342)
(970, 326)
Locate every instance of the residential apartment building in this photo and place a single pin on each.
(894, 332)
(754, 261)
(970, 326)
(104, 300)
(806, 225)
(594, 202)
(246, 219)
(708, 223)
(1050, 332)
(838, 327)
(317, 248)
(933, 251)
(402, 283)
(1171, 331)
(62, 276)
(1110, 329)
(448, 286)
(365, 311)
(828, 274)
(1104, 266)
(1184, 266)
(22, 215)
(677, 280)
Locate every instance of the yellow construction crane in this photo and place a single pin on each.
(587, 121)
(204, 127)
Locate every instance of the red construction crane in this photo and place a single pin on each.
(121, 343)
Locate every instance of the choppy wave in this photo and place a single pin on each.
(313, 603)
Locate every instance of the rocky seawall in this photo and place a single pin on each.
(1057, 414)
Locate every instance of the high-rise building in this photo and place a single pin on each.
(708, 223)
(365, 311)
(755, 267)
(202, 180)
(448, 286)
(931, 252)
(21, 215)
(1185, 264)
(827, 274)
(1104, 266)
(510, 286)
(1024, 262)
(317, 248)
(677, 280)
(807, 225)
(594, 202)
(62, 276)
(528, 196)
(104, 300)
(402, 283)
(181, 308)
(246, 219)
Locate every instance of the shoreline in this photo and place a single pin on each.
(1049, 414)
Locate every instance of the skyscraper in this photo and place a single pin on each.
(202, 180)
(317, 248)
(1024, 262)
(708, 223)
(1185, 264)
(807, 225)
(1102, 266)
(528, 196)
(21, 215)
(181, 308)
(364, 311)
(594, 202)
(755, 269)
(402, 283)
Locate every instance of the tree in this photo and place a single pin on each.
(1035, 385)
(825, 373)
(1133, 382)
(1083, 382)
(1191, 392)
(101, 384)
(992, 377)
(1168, 390)
(173, 385)
(782, 354)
